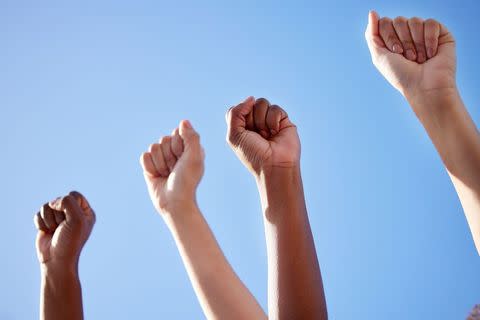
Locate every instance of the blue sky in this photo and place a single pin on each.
(86, 86)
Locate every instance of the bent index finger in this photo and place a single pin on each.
(239, 118)
(69, 205)
(389, 36)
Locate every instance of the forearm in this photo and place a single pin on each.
(221, 293)
(457, 141)
(61, 294)
(294, 279)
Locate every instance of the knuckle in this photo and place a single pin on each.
(415, 21)
(76, 194)
(275, 107)
(384, 21)
(400, 20)
(165, 139)
(262, 101)
(431, 22)
(66, 200)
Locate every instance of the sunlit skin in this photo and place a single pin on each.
(418, 58)
(267, 143)
(64, 226)
(173, 168)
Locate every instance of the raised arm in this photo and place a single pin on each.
(267, 143)
(64, 226)
(173, 169)
(418, 58)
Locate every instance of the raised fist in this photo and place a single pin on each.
(64, 226)
(173, 168)
(414, 55)
(262, 136)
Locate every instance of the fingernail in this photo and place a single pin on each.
(397, 48)
(53, 202)
(411, 55)
(248, 99)
(187, 124)
(421, 57)
(273, 132)
(430, 53)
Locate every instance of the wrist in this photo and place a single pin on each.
(277, 172)
(59, 270)
(274, 171)
(281, 194)
(179, 210)
(433, 101)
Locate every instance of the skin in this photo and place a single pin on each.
(173, 169)
(64, 226)
(267, 143)
(429, 85)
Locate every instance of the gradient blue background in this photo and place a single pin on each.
(86, 86)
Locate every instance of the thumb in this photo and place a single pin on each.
(372, 35)
(238, 119)
(189, 136)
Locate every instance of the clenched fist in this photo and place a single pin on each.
(416, 56)
(173, 168)
(64, 226)
(262, 136)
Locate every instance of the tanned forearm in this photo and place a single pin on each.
(221, 293)
(295, 282)
(61, 294)
(457, 140)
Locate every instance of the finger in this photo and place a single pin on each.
(156, 155)
(68, 205)
(83, 203)
(166, 146)
(177, 143)
(275, 115)
(418, 36)
(260, 115)
(147, 165)
(48, 217)
(39, 223)
(389, 36)
(432, 33)
(190, 137)
(400, 25)
(59, 216)
(238, 118)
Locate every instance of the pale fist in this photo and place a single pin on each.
(173, 168)
(64, 226)
(262, 136)
(414, 55)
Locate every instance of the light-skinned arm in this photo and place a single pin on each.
(64, 226)
(418, 58)
(173, 169)
(267, 143)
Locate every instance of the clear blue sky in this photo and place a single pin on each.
(85, 86)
